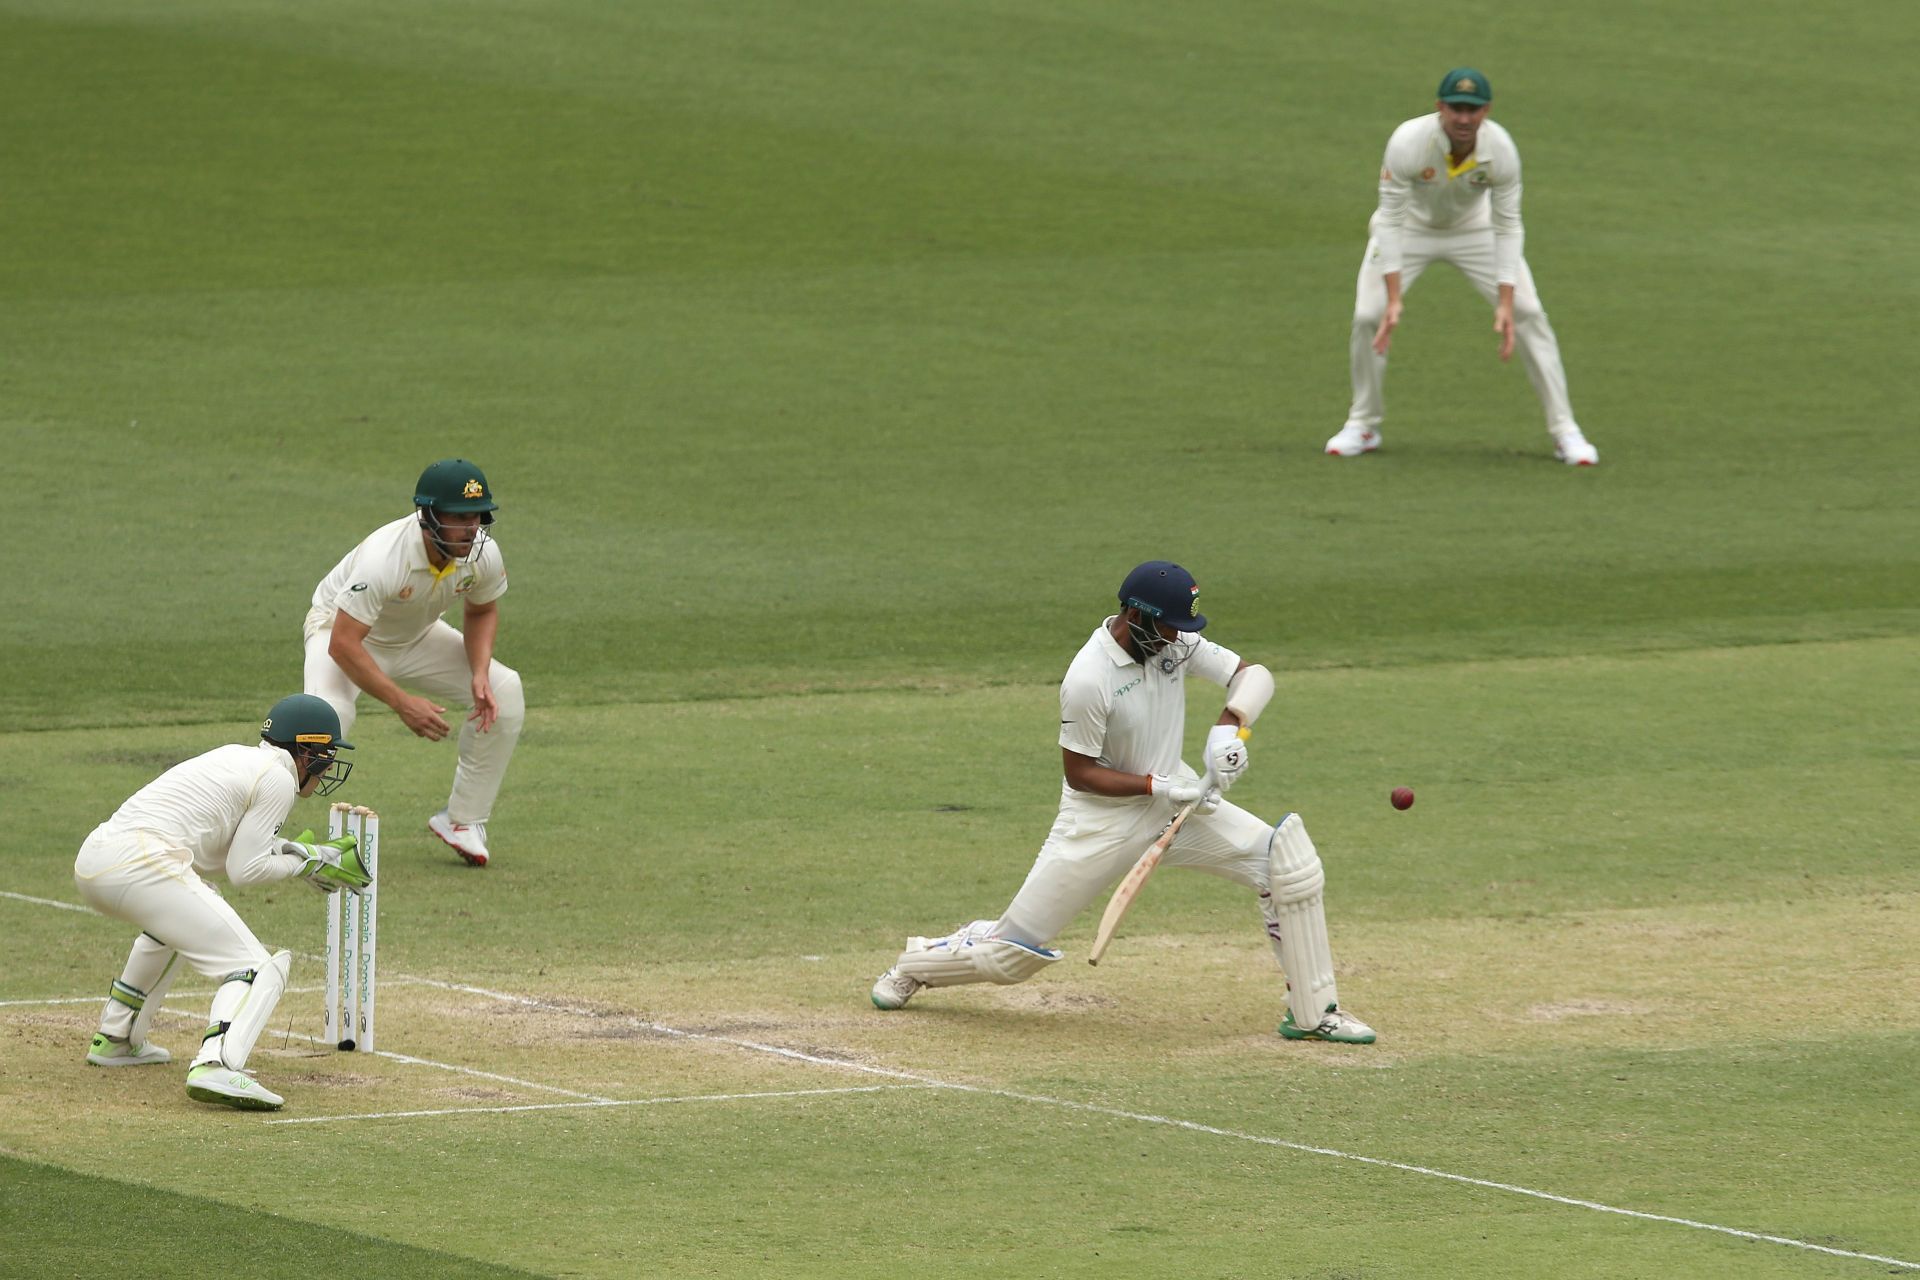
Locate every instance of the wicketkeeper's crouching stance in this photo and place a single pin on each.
(218, 813)
(1122, 710)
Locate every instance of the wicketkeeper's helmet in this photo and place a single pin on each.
(301, 722)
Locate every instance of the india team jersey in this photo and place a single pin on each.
(1422, 190)
(1131, 716)
(389, 583)
(230, 800)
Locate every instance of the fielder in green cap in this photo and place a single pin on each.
(376, 626)
(1450, 192)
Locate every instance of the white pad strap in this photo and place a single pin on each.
(970, 955)
(263, 993)
(168, 962)
(1249, 692)
(144, 974)
(1296, 918)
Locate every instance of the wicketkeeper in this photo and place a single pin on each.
(218, 814)
(1122, 709)
(376, 626)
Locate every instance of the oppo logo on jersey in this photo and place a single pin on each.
(1131, 684)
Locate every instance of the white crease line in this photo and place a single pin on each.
(188, 995)
(590, 1098)
(1375, 1161)
(598, 1103)
(49, 902)
(1191, 1126)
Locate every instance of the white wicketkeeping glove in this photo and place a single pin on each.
(1226, 755)
(1202, 794)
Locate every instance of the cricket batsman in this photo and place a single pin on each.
(216, 814)
(376, 626)
(1450, 192)
(1122, 709)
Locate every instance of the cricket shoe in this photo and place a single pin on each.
(211, 1082)
(1572, 448)
(1353, 440)
(469, 839)
(894, 989)
(1337, 1026)
(105, 1051)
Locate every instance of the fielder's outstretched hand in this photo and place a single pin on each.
(485, 709)
(422, 715)
(1383, 336)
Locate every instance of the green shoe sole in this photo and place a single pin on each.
(240, 1102)
(228, 1100)
(1290, 1030)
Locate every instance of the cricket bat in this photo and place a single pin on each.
(1129, 887)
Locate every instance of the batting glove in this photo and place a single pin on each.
(1198, 792)
(1227, 756)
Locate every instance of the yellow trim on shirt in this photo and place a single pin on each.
(440, 574)
(1465, 165)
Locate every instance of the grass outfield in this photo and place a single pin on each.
(832, 365)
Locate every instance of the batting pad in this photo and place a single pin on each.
(1295, 911)
(156, 964)
(263, 993)
(970, 955)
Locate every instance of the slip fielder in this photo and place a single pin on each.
(1450, 192)
(376, 626)
(1122, 709)
(218, 814)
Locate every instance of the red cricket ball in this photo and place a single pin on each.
(1402, 797)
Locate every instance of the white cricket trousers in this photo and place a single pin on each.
(1471, 250)
(435, 666)
(1095, 840)
(131, 876)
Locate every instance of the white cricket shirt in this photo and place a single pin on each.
(389, 583)
(1131, 716)
(1421, 190)
(220, 811)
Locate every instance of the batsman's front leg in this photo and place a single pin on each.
(967, 955)
(1294, 906)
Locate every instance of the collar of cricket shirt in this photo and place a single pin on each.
(1446, 150)
(421, 560)
(1115, 650)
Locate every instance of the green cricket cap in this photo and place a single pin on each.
(1464, 84)
(453, 485)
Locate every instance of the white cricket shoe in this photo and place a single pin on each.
(1572, 448)
(211, 1082)
(105, 1051)
(894, 989)
(469, 839)
(1353, 440)
(1338, 1026)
